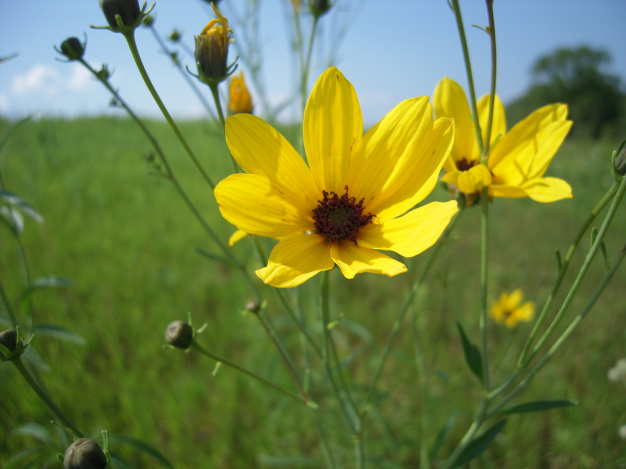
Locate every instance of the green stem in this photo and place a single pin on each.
(425, 395)
(456, 8)
(568, 331)
(406, 307)
(583, 271)
(130, 38)
(247, 372)
(307, 64)
(494, 68)
(182, 71)
(563, 270)
(220, 112)
(484, 282)
(469, 435)
(285, 355)
(44, 397)
(7, 306)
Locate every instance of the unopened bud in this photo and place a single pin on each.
(8, 338)
(128, 10)
(253, 306)
(148, 21)
(72, 48)
(84, 454)
(620, 163)
(211, 52)
(175, 36)
(319, 7)
(179, 334)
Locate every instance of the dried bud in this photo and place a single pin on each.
(212, 50)
(179, 334)
(253, 306)
(72, 48)
(620, 163)
(240, 99)
(319, 7)
(8, 338)
(128, 10)
(84, 454)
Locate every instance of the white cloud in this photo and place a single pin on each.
(39, 78)
(80, 79)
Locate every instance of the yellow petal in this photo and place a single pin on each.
(526, 312)
(498, 125)
(296, 259)
(547, 189)
(514, 299)
(412, 233)
(470, 181)
(353, 259)
(449, 100)
(236, 236)
(333, 127)
(416, 173)
(257, 206)
(260, 149)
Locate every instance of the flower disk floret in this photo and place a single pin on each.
(355, 198)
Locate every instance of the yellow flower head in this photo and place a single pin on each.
(240, 99)
(212, 49)
(353, 199)
(518, 158)
(507, 310)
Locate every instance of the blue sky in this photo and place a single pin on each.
(392, 50)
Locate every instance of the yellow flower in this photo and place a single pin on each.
(212, 49)
(508, 310)
(240, 99)
(354, 198)
(518, 158)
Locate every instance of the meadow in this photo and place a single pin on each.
(117, 230)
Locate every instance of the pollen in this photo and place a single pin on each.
(340, 217)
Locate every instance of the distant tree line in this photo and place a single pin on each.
(579, 78)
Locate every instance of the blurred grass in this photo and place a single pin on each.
(128, 243)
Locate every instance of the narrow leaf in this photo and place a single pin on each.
(141, 446)
(559, 262)
(15, 200)
(443, 433)
(47, 282)
(472, 354)
(29, 457)
(13, 219)
(479, 444)
(58, 332)
(39, 432)
(537, 406)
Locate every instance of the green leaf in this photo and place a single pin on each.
(472, 354)
(141, 446)
(29, 457)
(58, 332)
(443, 433)
(46, 282)
(16, 127)
(13, 219)
(17, 202)
(39, 432)
(33, 357)
(537, 406)
(479, 444)
(287, 461)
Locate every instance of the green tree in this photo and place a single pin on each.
(578, 77)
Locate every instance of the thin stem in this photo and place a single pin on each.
(182, 71)
(484, 282)
(7, 306)
(563, 270)
(44, 397)
(568, 331)
(494, 68)
(284, 354)
(407, 305)
(583, 270)
(307, 64)
(247, 372)
(456, 8)
(130, 38)
(220, 113)
(425, 395)
(469, 435)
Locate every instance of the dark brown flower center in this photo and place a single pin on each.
(340, 217)
(465, 164)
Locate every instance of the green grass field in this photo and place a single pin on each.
(120, 233)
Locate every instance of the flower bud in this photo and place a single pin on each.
(319, 7)
(148, 21)
(128, 10)
(620, 163)
(253, 306)
(8, 338)
(212, 50)
(84, 454)
(175, 36)
(179, 334)
(240, 99)
(72, 48)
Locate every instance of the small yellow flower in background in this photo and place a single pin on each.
(507, 310)
(355, 197)
(518, 158)
(211, 52)
(240, 99)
